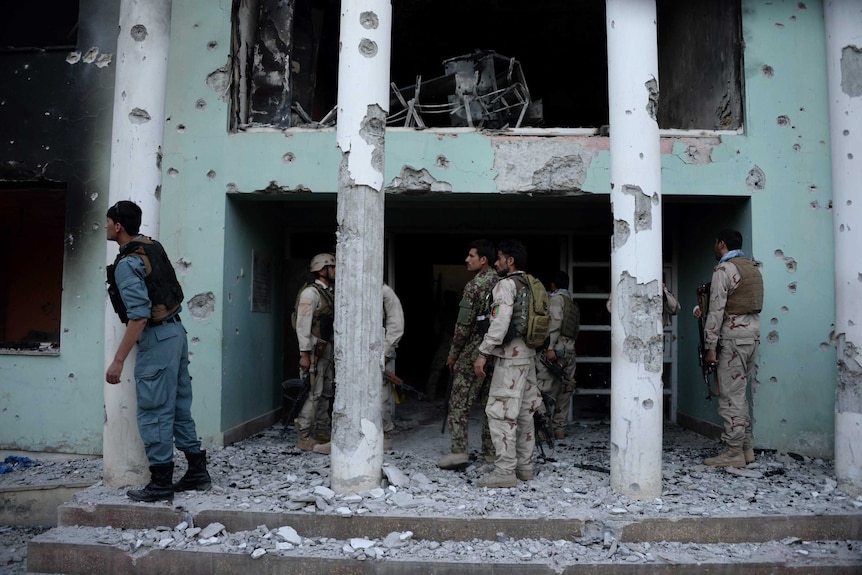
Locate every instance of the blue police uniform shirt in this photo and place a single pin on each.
(130, 273)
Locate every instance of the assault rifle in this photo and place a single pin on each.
(542, 425)
(706, 368)
(398, 385)
(294, 394)
(552, 367)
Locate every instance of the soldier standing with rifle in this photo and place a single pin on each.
(731, 340)
(393, 330)
(470, 327)
(560, 353)
(314, 332)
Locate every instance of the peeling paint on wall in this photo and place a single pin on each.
(413, 181)
(756, 180)
(652, 103)
(848, 397)
(640, 308)
(643, 206)
(560, 173)
(789, 262)
(274, 189)
(851, 71)
(373, 130)
(622, 230)
(202, 305)
(139, 116)
(219, 80)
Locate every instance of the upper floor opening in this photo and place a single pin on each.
(485, 64)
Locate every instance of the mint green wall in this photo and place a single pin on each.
(252, 340)
(791, 229)
(56, 119)
(789, 215)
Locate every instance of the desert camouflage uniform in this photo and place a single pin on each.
(467, 387)
(564, 347)
(393, 330)
(514, 394)
(738, 337)
(314, 419)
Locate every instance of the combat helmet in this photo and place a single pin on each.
(320, 261)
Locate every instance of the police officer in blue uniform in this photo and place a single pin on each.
(146, 295)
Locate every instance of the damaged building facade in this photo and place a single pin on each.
(499, 125)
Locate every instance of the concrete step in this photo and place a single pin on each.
(145, 538)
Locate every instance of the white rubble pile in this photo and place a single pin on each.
(283, 541)
(267, 473)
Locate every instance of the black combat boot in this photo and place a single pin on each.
(196, 476)
(159, 488)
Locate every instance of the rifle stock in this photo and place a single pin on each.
(707, 369)
(552, 367)
(392, 379)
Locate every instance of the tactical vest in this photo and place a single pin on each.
(571, 323)
(323, 321)
(518, 324)
(163, 288)
(748, 295)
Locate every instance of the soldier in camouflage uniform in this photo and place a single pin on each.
(514, 394)
(732, 328)
(467, 387)
(565, 324)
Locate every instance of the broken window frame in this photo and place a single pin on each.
(34, 222)
(714, 105)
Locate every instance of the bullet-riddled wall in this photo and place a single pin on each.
(771, 180)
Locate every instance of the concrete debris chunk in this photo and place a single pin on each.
(361, 543)
(395, 476)
(211, 530)
(289, 534)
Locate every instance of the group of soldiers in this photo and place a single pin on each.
(491, 363)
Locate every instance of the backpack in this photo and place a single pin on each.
(532, 317)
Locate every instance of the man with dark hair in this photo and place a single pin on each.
(146, 295)
(731, 339)
(514, 395)
(470, 326)
(564, 327)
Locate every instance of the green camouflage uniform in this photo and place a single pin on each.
(467, 387)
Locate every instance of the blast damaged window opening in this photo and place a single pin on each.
(39, 25)
(32, 219)
(485, 64)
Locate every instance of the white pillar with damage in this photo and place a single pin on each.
(636, 248)
(363, 103)
(136, 147)
(844, 68)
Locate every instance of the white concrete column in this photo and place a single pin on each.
(844, 67)
(636, 262)
(363, 103)
(136, 145)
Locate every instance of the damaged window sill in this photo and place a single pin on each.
(51, 351)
